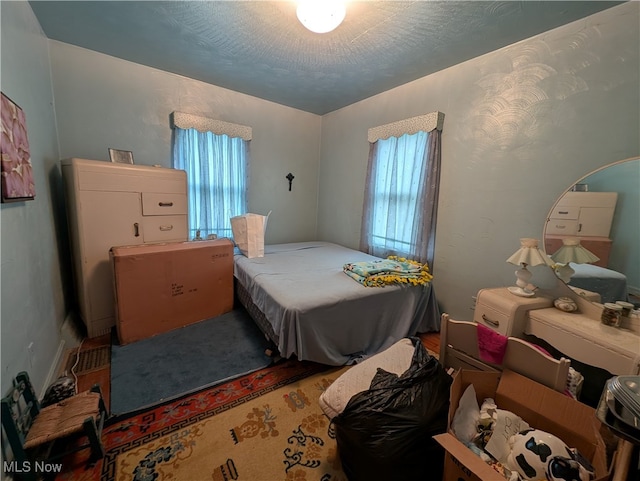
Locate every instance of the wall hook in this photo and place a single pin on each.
(290, 178)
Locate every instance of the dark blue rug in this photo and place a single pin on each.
(168, 365)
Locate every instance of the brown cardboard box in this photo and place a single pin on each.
(543, 408)
(160, 287)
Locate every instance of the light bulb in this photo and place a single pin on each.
(321, 16)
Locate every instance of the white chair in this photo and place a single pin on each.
(459, 350)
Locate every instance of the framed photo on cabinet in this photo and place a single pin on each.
(17, 171)
(121, 156)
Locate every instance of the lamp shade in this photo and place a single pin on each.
(529, 254)
(573, 251)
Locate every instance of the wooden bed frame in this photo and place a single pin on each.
(459, 350)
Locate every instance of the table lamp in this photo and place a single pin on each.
(571, 251)
(527, 255)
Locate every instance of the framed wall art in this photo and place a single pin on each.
(17, 171)
(121, 156)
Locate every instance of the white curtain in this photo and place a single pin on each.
(401, 196)
(216, 167)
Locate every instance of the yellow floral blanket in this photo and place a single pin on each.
(393, 270)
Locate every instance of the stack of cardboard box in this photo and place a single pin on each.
(542, 408)
(161, 287)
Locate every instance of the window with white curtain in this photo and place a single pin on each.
(398, 181)
(401, 191)
(215, 156)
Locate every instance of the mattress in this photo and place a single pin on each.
(316, 312)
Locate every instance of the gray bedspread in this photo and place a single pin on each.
(318, 313)
(611, 285)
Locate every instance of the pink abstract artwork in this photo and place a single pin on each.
(17, 172)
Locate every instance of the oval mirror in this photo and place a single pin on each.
(602, 212)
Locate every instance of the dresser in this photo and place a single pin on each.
(583, 214)
(111, 204)
(504, 312)
(587, 215)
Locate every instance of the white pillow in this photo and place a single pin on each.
(395, 359)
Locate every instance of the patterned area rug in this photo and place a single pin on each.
(264, 426)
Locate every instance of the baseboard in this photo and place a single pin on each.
(55, 368)
(69, 339)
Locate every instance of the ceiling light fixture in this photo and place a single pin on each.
(321, 16)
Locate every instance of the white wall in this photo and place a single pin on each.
(103, 102)
(521, 125)
(33, 235)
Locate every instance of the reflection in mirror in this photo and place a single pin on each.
(602, 210)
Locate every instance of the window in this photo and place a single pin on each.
(215, 158)
(402, 189)
(398, 181)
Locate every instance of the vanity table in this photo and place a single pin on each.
(599, 352)
(578, 335)
(581, 337)
(595, 216)
(504, 312)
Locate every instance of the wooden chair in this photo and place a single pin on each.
(459, 350)
(32, 431)
(459, 346)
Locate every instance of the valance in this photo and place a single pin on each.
(424, 123)
(204, 124)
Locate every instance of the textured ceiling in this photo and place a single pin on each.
(259, 47)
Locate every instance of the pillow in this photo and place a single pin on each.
(395, 359)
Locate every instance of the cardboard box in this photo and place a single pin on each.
(542, 408)
(160, 287)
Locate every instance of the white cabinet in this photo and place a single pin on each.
(583, 214)
(110, 204)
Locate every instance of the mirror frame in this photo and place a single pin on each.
(568, 189)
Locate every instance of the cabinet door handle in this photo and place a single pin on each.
(579, 227)
(166, 227)
(136, 230)
(165, 204)
(563, 212)
(489, 321)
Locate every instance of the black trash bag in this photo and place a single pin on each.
(386, 433)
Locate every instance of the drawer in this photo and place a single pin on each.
(97, 175)
(496, 320)
(164, 228)
(565, 212)
(163, 204)
(562, 227)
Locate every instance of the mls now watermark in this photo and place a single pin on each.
(14, 467)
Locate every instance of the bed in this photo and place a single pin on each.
(611, 285)
(302, 300)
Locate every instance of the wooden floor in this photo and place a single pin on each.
(102, 376)
(431, 341)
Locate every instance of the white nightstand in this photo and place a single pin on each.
(504, 312)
